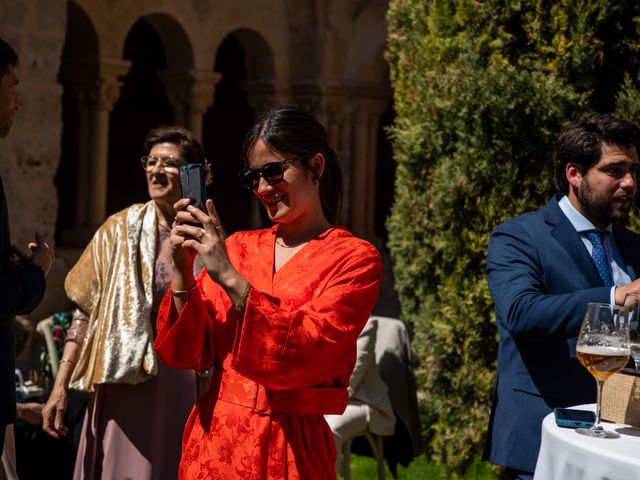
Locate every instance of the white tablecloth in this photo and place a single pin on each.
(567, 455)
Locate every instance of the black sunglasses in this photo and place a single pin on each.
(272, 172)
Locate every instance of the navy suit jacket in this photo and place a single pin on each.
(20, 292)
(541, 277)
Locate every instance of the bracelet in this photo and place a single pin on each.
(180, 292)
(64, 360)
(242, 301)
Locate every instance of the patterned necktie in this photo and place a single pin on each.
(596, 237)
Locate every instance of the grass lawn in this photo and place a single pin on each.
(364, 468)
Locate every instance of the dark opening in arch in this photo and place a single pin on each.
(142, 106)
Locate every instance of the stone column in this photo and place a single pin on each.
(94, 88)
(105, 92)
(190, 94)
(333, 114)
(366, 116)
(260, 95)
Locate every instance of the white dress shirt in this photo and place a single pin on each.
(582, 225)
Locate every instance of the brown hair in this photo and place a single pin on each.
(291, 131)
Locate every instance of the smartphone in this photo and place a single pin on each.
(192, 184)
(572, 418)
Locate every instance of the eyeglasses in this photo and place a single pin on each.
(272, 172)
(149, 162)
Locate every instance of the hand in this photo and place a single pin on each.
(30, 412)
(207, 241)
(621, 291)
(53, 413)
(42, 253)
(17, 259)
(182, 257)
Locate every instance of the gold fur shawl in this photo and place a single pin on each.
(112, 283)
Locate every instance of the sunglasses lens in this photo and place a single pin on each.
(273, 172)
(250, 178)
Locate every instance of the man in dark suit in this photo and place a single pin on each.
(542, 274)
(21, 277)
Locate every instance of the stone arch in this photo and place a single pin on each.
(365, 59)
(258, 55)
(142, 105)
(368, 79)
(177, 45)
(246, 63)
(79, 73)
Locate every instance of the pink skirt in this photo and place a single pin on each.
(135, 431)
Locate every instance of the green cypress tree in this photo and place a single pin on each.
(481, 91)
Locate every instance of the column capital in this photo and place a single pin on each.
(113, 67)
(203, 90)
(260, 95)
(371, 100)
(104, 91)
(190, 92)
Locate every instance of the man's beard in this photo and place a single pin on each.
(599, 209)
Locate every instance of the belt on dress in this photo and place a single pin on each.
(234, 388)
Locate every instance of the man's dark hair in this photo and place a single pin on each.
(8, 57)
(581, 142)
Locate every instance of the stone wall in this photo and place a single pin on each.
(321, 54)
(29, 156)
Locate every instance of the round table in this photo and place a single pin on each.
(567, 455)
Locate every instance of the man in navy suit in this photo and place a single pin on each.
(542, 274)
(21, 277)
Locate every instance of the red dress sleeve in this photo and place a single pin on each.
(288, 345)
(185, 341)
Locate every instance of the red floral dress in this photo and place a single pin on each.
(281, 365)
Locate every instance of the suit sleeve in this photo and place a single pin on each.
(524, 306)
(286, 347)
(21, 291)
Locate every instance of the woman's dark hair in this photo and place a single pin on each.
(8, 57)
(191, 151)
(581, 142)
(292, 132)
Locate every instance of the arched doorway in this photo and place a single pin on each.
(78, 76)
(385, 174)
(246, 64)
(142, 106)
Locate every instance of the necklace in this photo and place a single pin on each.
(164, 227)
(284, 245)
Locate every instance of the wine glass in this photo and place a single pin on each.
(632, 303)
(603, 349)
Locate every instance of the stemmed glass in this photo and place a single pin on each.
(603, 349)
(632, 303)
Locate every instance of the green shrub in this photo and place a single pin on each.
(481, 91)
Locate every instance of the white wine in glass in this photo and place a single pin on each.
(603, 349)
(632, 303)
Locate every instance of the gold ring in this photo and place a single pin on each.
(201, 236)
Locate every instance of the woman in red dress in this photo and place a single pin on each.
(275, 312)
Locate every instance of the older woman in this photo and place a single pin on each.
(138, 407)
(277, 312)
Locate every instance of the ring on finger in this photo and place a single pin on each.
(201, 236)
